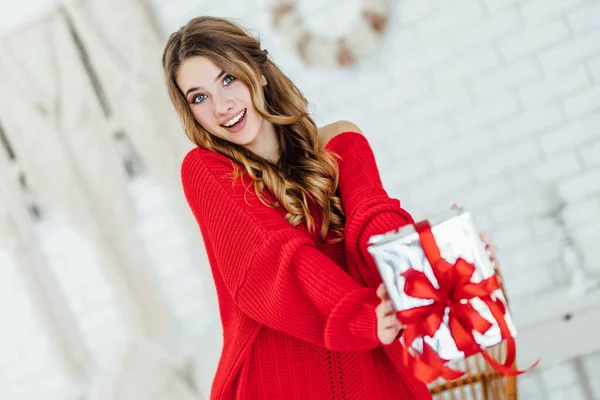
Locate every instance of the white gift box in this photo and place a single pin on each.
(456, 236)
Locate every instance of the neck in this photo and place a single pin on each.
(266, 144)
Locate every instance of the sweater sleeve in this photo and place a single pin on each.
(369, 210)
(272, 271)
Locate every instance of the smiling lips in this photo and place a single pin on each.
(234, 120)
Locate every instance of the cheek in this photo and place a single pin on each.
(242, 92)
(202, 116)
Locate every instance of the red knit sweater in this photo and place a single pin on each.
(298, 315)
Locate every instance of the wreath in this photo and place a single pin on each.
(361, 40)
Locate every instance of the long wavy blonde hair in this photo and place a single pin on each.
(305, 170)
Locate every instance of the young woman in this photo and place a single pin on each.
(285, 210)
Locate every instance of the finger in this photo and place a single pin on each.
(390, 334)
(384, 308)
(486, 238)
(381, 290)
(386, 296)
(393, 324)
(389, 322)
(398, 326)
(492, 249)
(388, 308)
(382, 293)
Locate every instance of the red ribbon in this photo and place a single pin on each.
(455, 292)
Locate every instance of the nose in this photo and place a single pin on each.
(223, 106)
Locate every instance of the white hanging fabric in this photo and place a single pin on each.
(85, 74)
(17, 237)
(127, 53)
(62, 140)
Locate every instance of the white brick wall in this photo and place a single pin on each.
(570, 52)
(550, 86)
(591, 154)
(448, 18)
(534, 38)
(480, 102)
(537, 11)
(574, 135)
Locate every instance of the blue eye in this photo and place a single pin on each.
(228, 79)
(198, 98)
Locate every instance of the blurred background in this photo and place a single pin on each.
(105, 291)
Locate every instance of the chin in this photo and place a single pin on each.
(245, 137)
(249, 140)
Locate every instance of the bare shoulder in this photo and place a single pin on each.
(328, 132)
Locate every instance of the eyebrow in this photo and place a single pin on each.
(190, 90)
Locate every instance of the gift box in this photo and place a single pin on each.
(443, 285)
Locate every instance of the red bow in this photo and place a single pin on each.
(456, 291)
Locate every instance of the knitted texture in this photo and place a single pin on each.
(298, 314)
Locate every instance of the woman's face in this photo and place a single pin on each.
(220, 102)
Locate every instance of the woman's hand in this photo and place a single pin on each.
(388, 326)
(492, 250)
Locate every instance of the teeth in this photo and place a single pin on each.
(234, 119)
